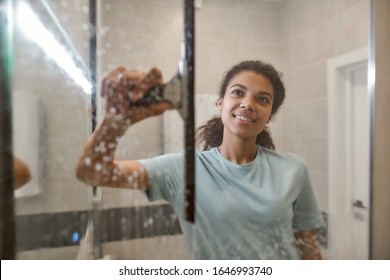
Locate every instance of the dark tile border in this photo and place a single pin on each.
(53, 230)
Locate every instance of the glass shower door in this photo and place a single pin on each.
(55, 110)
(51, 97)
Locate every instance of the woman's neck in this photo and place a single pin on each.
(238, 151)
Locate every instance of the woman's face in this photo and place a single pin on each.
(247, 105)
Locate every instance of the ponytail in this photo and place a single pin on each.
(264, 139)
(210, 134)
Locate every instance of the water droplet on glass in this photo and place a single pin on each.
(87, 161)
(135, 174)
(102, 147)
(100, 52)
(98, 167)
(112, 110)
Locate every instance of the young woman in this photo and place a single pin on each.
(251, 202)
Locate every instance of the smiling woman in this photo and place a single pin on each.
(251, 202)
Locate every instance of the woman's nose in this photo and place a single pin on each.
(247, 103)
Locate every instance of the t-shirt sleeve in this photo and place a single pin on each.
(166, 176)
(306, 212)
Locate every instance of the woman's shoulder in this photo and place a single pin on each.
(282, 157)
(206, 153)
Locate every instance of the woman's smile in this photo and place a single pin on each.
(242, 117)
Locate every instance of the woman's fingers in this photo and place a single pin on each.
(146, 82)
(131, 81)
(122, 85)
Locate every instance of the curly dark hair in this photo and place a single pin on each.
(211, 133)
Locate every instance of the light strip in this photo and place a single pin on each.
(31, 26)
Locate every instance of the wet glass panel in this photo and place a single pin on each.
(140, 35)
(51, 119)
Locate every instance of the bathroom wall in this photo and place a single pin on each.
(381, 140)
(313, 32)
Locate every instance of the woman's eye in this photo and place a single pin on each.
(237, 92)
(263, 100)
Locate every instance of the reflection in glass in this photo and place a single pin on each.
(33, 28)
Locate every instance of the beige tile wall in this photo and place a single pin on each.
(230, 31)
(314, 31)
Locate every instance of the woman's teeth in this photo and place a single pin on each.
(242, 118)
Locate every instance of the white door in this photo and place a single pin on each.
(349, 146)
(358, 162)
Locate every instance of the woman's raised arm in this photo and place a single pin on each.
(96, 166)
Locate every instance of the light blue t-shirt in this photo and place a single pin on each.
(242, 211)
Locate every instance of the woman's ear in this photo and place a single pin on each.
(219, 104)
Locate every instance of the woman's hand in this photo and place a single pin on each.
(122, 86)
(96, 166)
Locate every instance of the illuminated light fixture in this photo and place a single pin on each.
(32, 27)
